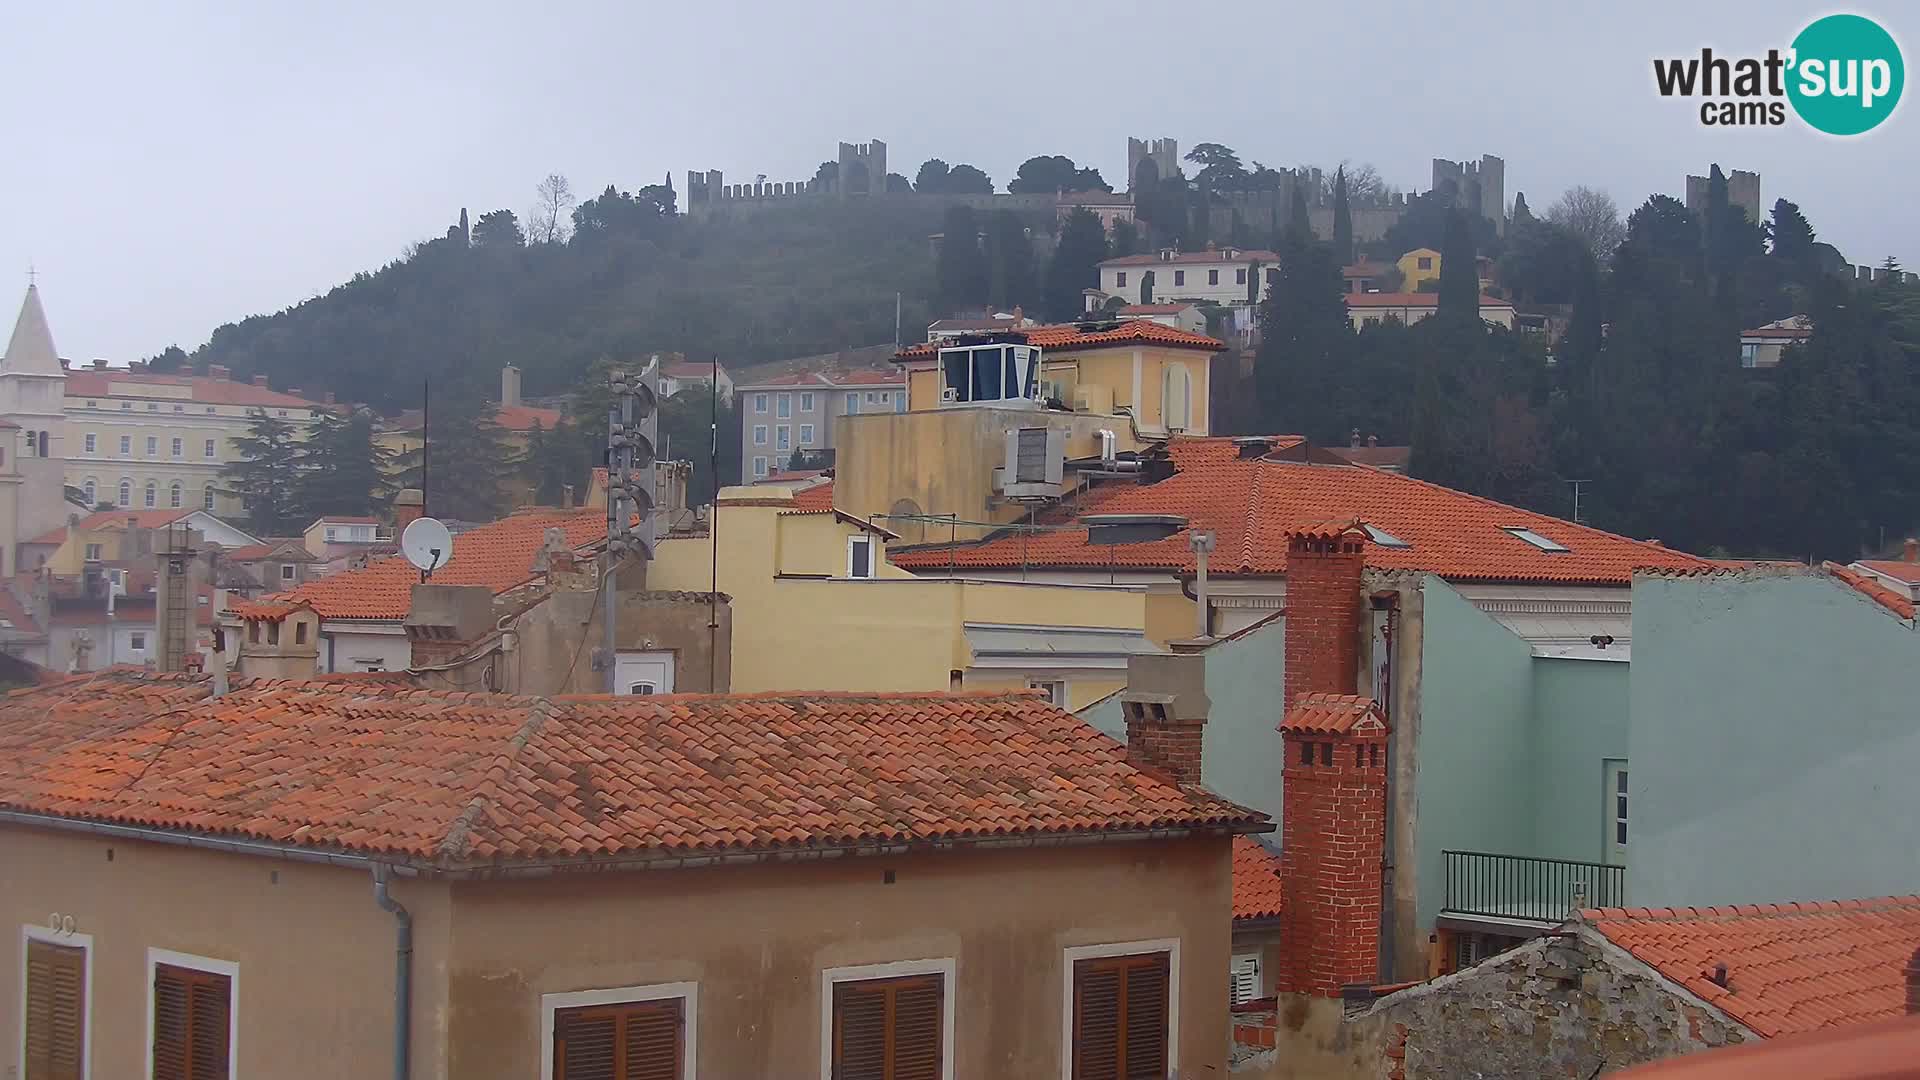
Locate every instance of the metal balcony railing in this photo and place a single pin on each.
(1521, 887)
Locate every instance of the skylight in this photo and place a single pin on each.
(1385, 538)
(1537, 540)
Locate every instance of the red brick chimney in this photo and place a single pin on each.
(1910, 551)
(408, 505)
(1334, 783)
(1166, 705)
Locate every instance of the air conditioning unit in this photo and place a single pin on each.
(1035, 465)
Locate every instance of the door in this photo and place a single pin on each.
(1616, 813)
(644, 673)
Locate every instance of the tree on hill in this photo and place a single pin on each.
(1126, 239)
(1305, 339)
(551, 209)
(1075, 265)
(1047, 174)
(467, 459)
(265, 473)
(1543, 264)
(1789, 236)
(1459, 274)
(966, 180)
(498, 230)
(1592, 216)
(898, 185)
(686, 425)
(1342, 220)
(1220, 168)
(342, 469)
(961, 274)
(1011, 278)
(1299, 224)
(1521, 215)
(617, 213)
(932, 177)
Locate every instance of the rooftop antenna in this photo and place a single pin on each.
(426, 417)
(713, 523)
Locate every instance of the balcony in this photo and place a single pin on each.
(1517, 888)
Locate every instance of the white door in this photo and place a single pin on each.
(644, 673)
(1616, 813)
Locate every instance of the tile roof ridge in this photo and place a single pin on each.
(458, 840)
(1247, 523)
(1751, 911)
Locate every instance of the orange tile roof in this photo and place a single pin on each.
(267, 610)
(1256, 880)
(498, 555)
(524, 417)
(1873, 590)
(1332, 714)
(206, 390)
(1884, 1050)
(1897, 569)
(1068, 337)
(1187, 258)
(114, 519)
(817, 499)
(1790, 967)
(1251, 504)
(462, 780)
(1411, 299)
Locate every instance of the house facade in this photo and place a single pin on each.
(503, 926)
(1226, 276)
(1766, 345)
(803, 411)
(1372, 309)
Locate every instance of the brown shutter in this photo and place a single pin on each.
(888, 1029)
(56, 1011)
(637, 1041)
(1120, 1018)
(191, 1023)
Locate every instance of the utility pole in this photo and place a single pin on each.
(632, 430)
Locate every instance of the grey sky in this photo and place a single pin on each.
(172, 167)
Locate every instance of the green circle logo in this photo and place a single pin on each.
(1846, 76)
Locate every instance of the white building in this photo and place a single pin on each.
(1216, 275)
(681, 374)
(1371, 309)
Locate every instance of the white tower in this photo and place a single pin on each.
(32, 433)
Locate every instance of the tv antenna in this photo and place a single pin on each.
(427, 545)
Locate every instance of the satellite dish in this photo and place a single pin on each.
(427, 544)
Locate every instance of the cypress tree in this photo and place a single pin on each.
(1459, 276)
(1342, 219)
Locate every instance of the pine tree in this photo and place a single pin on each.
(1790, 235)
(342, 468)
(1010, 280)
(265, 473)
(1299, 225)
(1342, 219)
(961, 274)
(1459, 274)
(1075, 264)
(468, 460)
(1521, 215)
(1306, 342)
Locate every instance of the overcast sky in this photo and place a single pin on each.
(171, 167)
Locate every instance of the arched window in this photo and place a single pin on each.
(126, 492)
(1176, 399)
(153, 494)
(175, 492)
(89, 488)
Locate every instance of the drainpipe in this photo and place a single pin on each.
(1201, 543)
(402, 971)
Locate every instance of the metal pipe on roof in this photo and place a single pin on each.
(402, 971)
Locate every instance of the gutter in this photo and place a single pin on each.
(402, 973)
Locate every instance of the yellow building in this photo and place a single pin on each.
(817, 606)
(1416, 266)
(1100, 392)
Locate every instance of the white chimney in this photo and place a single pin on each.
(509, 387)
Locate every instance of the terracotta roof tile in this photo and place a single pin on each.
(1068, 336)
(1252, 504)
(1188, 258)
(115, 519)
(206, 390)
(525, 417)
(498, 555)
(817, 499)
(1256, 880)
(1897, 569)
(1873, 590)
(1790, 967)
(1412, 299)
(1332, 714)
(464, 779)
(1877, 1051)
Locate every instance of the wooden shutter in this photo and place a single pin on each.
(55, 1036)
(1120, 1018)
(631, 1041)
(888, 1029)
(192, 1021)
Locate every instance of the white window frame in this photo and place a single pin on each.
(782, 437)
(1058, 697)
(760, 403)
(941, 966)
(156, 957)
(178, 446)
(873, 556)
(207, 450)
(1076, 953)
(287, 571)
(72, 940)
(759, 434)
(853, 404)
(93, 443)
(126, 446)
(806, 402)
(783, 407)
(806, 435)
(1233, 976)
(760, 467)
(687, 992)
(153, 446)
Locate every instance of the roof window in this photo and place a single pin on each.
(1535, 539)
(1384, 538)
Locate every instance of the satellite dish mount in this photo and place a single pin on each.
(427, 544)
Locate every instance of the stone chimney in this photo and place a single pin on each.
(1334, 780)
(408, 505)
(444, 621)
(259, 380)
(1166, 705)
(509, 387)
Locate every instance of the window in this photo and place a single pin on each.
(806, 402)
(153, 406)
(93, 404)
(176, 491)
(1122, 1012)
(208, 501)
(1120, 280)
(1176, 400)
(1620, 806)
(179, 446)
(1384, 538)
(153, 446)
(1749, 355)
(806, 434)
(900, 401)
(253, 631)
(1179, 277)
(211, 410)
(126, 493)
(759, 434)
(58, 996)
(783, 406)
(760, 467)
(782, 437)
(193, 1019)
(1243, 978)
(207, 451)
(89, 489)
(126, 445)
(1240, 276)
(1535, 539)
(872, 398)
(286, 571)
(280, 412)
(1213, 277)
(629, 1033)
(860, 556)
(759, 403)
(137, 640)
(179, 408)
(1056, 690)
(888, 1022)
(126, 406)
(273, 633)
(1425, 262)
(92, 442)
(853, 404)
(300, 635)
(153, 494)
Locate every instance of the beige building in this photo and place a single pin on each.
(1765, 346)
(1218, 275)
(1372, 309)
(475, 885)
(32, 434)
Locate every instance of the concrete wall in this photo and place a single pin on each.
(1773, 742)
(1473, 787)
(1579, 721)
(756, 939)
(315, 955)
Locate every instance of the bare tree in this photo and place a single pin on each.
(551, 221)
(1365, 187)
(1591, 215)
